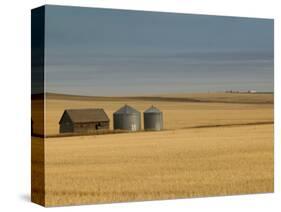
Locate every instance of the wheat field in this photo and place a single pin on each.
(160, 165)
(181, 161)
(177, 114)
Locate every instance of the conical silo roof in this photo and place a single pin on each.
(126, 109)
(152, 109)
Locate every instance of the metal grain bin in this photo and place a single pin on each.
(127, 118)
(153, 119)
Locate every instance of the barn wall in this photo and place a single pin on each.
(104, 125)
(90, 127)
(66, 127)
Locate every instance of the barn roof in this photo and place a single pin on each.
(152, 109)
(126, 109)
(85, 115)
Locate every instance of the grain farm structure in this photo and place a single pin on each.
(83, 121)
(127, 118)
(153, 119)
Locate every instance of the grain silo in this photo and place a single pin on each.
(153, 119)
(127, 118)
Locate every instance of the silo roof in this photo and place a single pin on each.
(152, 109)
(126, 109)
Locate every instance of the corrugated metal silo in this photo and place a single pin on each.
(127, 118)
(153, 119)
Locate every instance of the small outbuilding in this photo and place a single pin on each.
(153, 119)
(127, 118)
(83, 121)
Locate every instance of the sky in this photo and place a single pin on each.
(105, 52)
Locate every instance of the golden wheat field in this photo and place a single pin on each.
(215, 110)
(211, 147)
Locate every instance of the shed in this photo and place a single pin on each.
(127, 118)
(153, 119)
(83, 120)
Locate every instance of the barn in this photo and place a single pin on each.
(83, 120)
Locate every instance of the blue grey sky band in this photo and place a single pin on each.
(105, 52)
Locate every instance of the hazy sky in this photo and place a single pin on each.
(118, 52)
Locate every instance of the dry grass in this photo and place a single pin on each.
(175, 163)
(227, 97)
(160, 165)
(177, 114)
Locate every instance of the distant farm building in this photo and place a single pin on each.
(83, 121)
(153, 119)
(127, 118)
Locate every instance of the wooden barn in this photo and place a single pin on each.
(83, 121)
